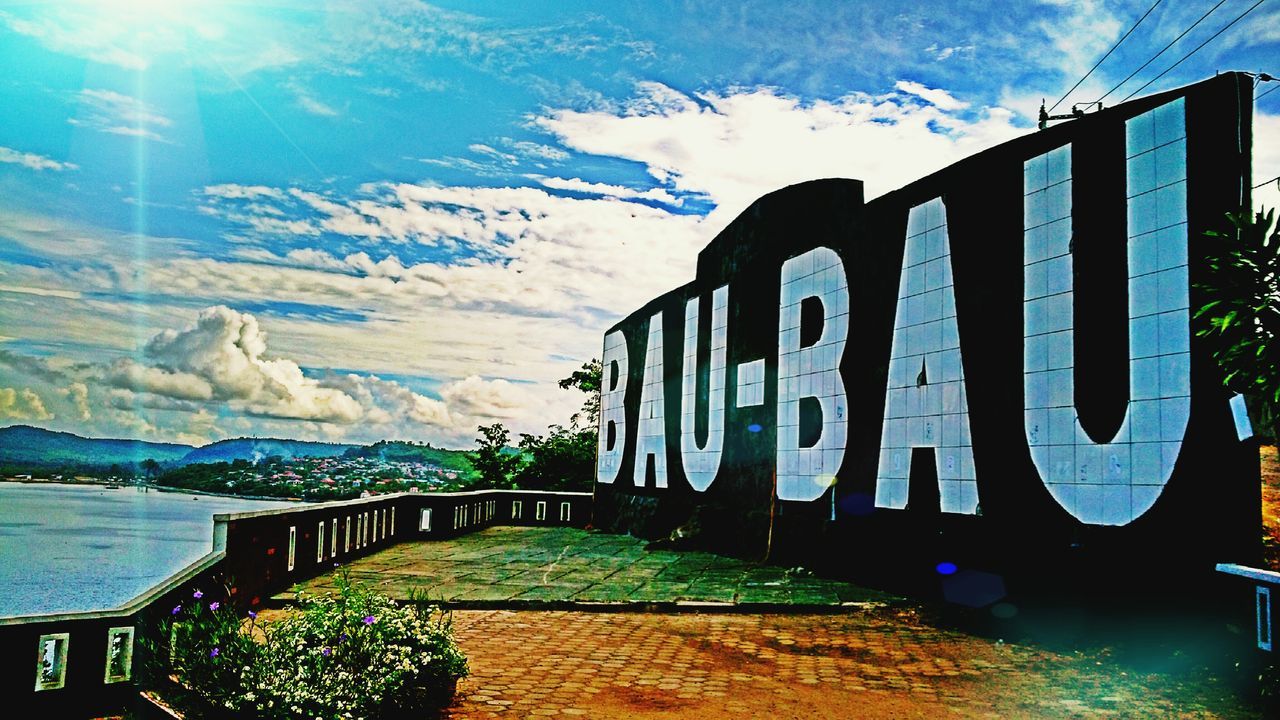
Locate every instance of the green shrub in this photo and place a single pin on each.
(350, 654)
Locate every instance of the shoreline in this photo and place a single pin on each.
(148, 486)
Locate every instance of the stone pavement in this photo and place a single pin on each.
(518, 567)
(857, 664)
(795, 647)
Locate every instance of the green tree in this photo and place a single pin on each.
(151, 468)
(563, 459)
(587, 379)
(1241, 310)
(495, 464)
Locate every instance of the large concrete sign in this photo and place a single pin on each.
(1007, 343)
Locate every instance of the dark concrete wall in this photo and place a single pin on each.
(1209, 510)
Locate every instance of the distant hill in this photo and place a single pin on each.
(36, 447)
(254, 449)
(399, 451)
(25, 446)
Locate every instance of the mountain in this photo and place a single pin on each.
(253, 449)
(26, 445)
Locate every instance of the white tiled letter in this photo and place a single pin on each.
(651, 439)
(805, 473)
(701, 463)
(613, 388)
(925, 402)
(1111, 483)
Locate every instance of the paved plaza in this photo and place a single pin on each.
(518, 567)
(862, 664)
(748, 641)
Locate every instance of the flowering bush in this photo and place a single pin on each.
(350, 654)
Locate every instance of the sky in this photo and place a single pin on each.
(352, 221)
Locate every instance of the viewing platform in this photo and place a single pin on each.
(518, 568)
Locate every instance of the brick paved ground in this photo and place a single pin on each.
(863, 656)
(514, 566)
(852, 665)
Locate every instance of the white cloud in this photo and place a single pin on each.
(78, 392)
(738, 146)
(1266, 160)
(315, 107)
(941, 99)
(474, 395)
(33, 161)
(111, 112)
(538, 151)
(617, 191)
(22, 404)
(232, 191)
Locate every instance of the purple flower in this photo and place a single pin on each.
(326, 652)
(253, 615)
(176, 609)
(213, 653)
(213, 606)
(197, 594)
(343, 636)
(369, 619)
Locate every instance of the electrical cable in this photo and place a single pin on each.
(1268, 182)
(1165, 49)
(1256, 99)
(1104, 57)
(1193, 52)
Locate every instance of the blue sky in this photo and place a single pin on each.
(352, 221)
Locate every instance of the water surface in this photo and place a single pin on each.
(71, 547)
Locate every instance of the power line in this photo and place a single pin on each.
(1104, 57)
(1193, 52)
(1266, 93)
(1166, 47)
(1268, 182)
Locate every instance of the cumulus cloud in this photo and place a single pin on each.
(78, 392)
(33, 161)
(223, 360)
(488, 398)
(222, 356)
(22, 404)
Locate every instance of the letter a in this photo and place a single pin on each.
(925, 403)
(651, 439)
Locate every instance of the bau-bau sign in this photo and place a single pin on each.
(1019, 322)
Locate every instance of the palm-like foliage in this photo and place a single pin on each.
(1241, 310)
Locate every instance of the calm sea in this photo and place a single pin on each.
(70, 548)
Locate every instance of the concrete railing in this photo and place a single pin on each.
(254, 554)
(1265, 582)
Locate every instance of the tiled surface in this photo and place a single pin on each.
(701, 463)
(859, 665)
(510, 566)
(805, 473)
(926, 404)
(651, 437)
(1114, 482)
(612, 410)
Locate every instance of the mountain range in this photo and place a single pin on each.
(23, 445)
